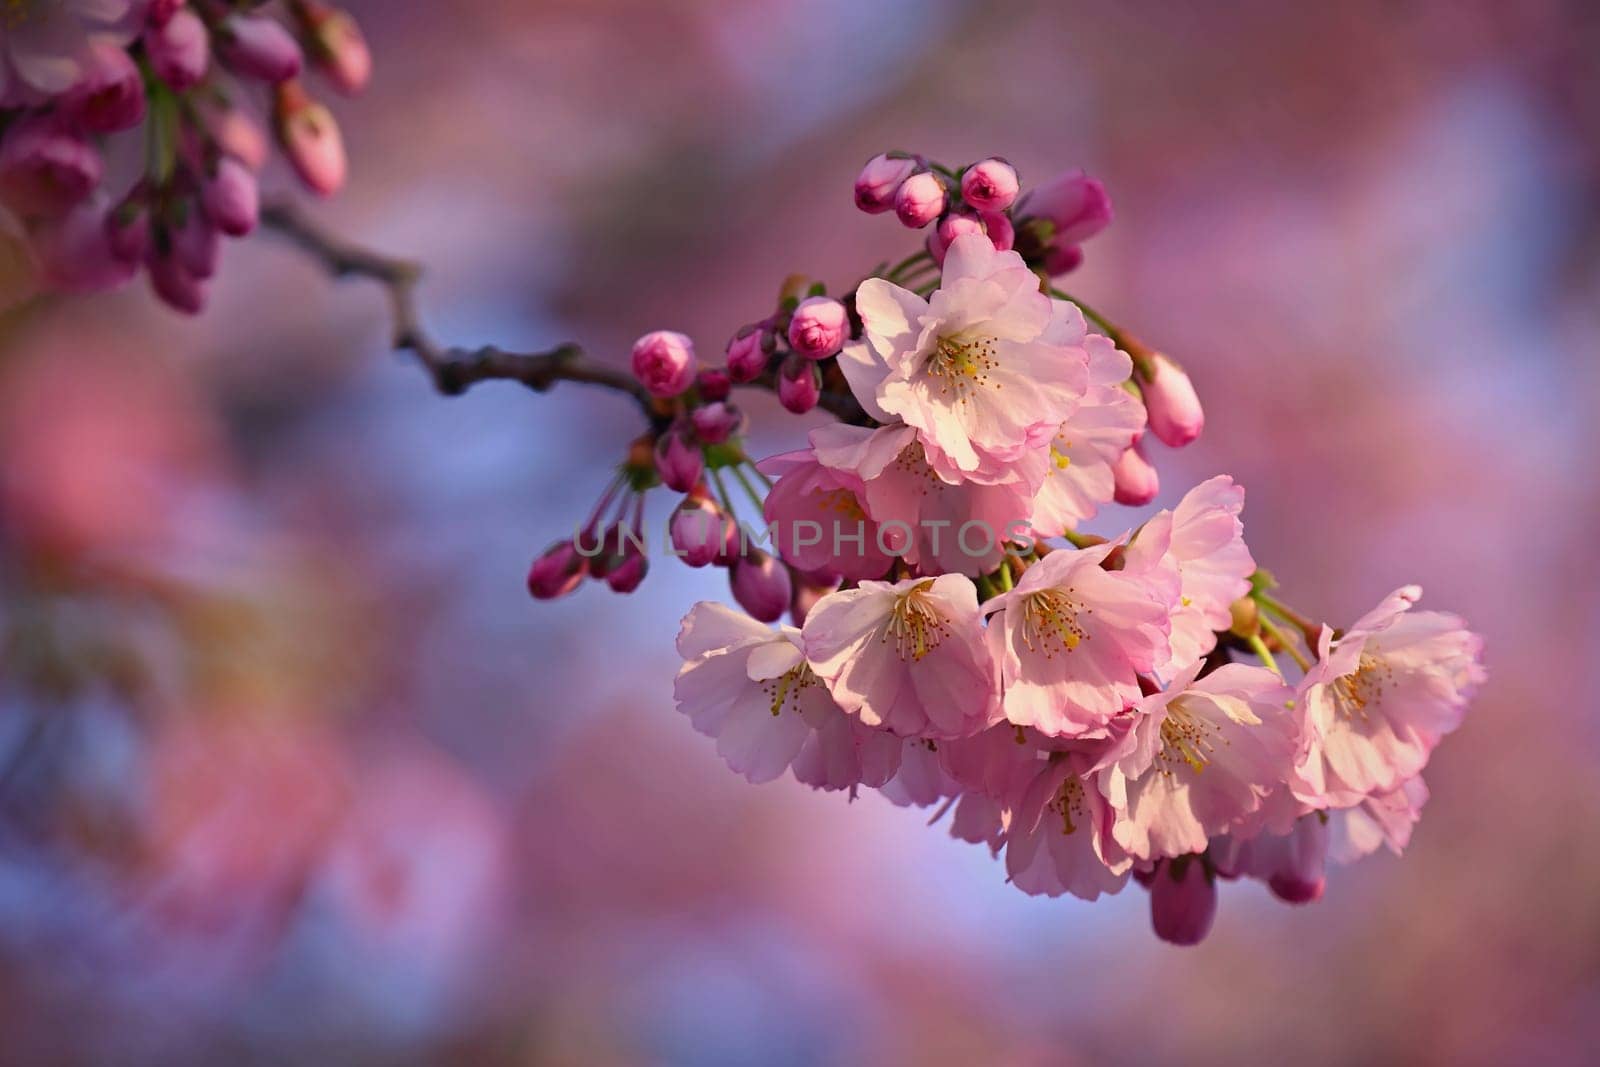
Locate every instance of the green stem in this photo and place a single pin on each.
(750, 491)
(1259, 647)
(1079, 540)
(1309, 629)
(1004, 574)
(1276, 632)
(1106, 325)
(906, 264)
(722, 491)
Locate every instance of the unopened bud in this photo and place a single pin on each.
(664, 363)
(921, 199)
(310, 138)
(1136, 481)
(258, 47)
(879, 181)
(748, 352)
(178, 50)
(558, 572)
(678, 462)
(698, 529)
(990, 185)
(338, 47)
(1173, 407)
(1183, 901)
(232, 197)
(716, 423)
(761, 585)
(799, 384)
(714, 385)
(819, 327)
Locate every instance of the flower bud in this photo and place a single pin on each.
(1174, 411)
(664, 363)
(238, 135)
(1062, 259)
(310, 138)
(698, 529)
(1002, 234)
(1075, 203)
(819, 328)
(558, 572)
(1298, 861)
(748, 352)
(196, 243)
(1135, 479)
(160, 12)
(714, 385)
(761, 585)
(338, 47)
(232, 197)
(46, 167)
(109, 95)
(128, 228)
(715, 423)
(808, 589)
(259, 47)
(175, 285)
(626, 576)
(178, 49)
(879, 181)
(799, 384)
(74, 251)
(990, 185)
(678, 462)
(920, 200)
(1183, 901)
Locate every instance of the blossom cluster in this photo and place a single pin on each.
(127, 136)
(1093, 710)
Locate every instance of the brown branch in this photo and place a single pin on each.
(455, 370)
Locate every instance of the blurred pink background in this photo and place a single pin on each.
(296, 771)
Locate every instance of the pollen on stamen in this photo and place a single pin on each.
(1050, 622)
(963, 365)
(915, 623)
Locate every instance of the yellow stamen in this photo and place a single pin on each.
(915, 623)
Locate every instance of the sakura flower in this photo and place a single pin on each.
(843, 753)
(1072, 639)
(985, 370)
(1086, 447)
(1381, 696)
(46, 43)
(1201, 756)
(1201, 544)
(908, 656)
(818, 519)
(933, 523)
(749, 688)
(1058, 839)
(1385, 819)
(1291, 863)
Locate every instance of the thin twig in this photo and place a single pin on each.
(455, 370)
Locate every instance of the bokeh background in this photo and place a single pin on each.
(293, 770)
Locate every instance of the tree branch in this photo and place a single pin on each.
(455, 370)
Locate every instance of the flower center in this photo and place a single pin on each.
(787, 687)
(1069, 801)
(962, 365)
(1050, 622)
(842, 502)
(1059, 460)
(1186, 738)
(915, 623)
(1353, 692)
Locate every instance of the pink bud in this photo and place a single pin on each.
(558, 572)
(1135, 479)
(921, 199)
(1062, 259)
(1000, 230)
(698, 530)
(799, 384)
(626, 576)
(1297, 861)
(990, 186)
(160, 12)
(1183, 901)
(1075, 203)
(238, 135)
(232, 197)
(338, 47)
(128, 228)
(715, 423)
(310, 138)
(714, 384)
(819, 328)
(761, 585)
(196, 243)
(178, 49)
(176, 287)
(1176, 417)
(664, 362)
(951, 226)
(879, 181)
(74, 251)
(808, 589)
(258, 47)
(748, 353)
(109, 95)
(46, 167)
(678, 462)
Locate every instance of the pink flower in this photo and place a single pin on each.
(1072, 639)
(920, 199)
(1200, 543)
(1183, 900)
(1058, 836)
(1383, 819)
(750, 688)
(1085, 450)
(47, 44)
(908, 656)
(1292, 864)
(1076, 207)
(1176, 417)
(935, 524)
(879, 181)
(1200, 758)
(1136, 481)
(819, 519)
(987, 370)
(990, 185)
(1380, 697)
(664, 363)
(819, 328)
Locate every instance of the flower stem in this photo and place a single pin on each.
(1106, 325)
(722, 492)
(750, 491)
(1259, 647)
(1274, 631)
